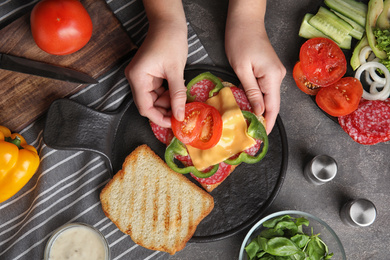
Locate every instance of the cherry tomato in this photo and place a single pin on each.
(201, 127)
(60, 27)
(323, 62)
(341, 98)
(302, 82)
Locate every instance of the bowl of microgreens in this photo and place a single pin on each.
(291, 234)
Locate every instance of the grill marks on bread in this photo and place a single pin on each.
(159, 208)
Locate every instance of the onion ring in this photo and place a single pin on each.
(366, 56)
(375, 76)
(374, 94)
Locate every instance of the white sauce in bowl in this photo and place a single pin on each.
(77, 242)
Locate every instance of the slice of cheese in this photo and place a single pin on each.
(234, 137)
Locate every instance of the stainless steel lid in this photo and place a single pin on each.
(359, 212)
(320, 169)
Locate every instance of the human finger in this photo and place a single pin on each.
(163, 100)
(270, 87)
(252, 90)
(178, 94)
(146, 92)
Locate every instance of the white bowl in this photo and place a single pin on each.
(319, 226)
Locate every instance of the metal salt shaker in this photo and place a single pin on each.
(358, 212)
(321, 169)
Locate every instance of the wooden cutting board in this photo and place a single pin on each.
(23, 98)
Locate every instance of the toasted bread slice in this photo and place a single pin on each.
(159, 208)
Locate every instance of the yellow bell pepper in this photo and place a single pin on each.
(18, 163)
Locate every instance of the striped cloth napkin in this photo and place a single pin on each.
(67, 185)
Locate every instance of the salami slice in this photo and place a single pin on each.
(241, 99)
(254, 149)
(164, 135)
(222, 172)
(370, 123)
(219, 176)
(201, 90)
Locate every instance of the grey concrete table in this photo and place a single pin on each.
(364, 171)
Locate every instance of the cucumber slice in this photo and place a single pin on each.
(307, 31)
(354, 10)
(346, 43)
(357, 31)
(355, 61)
(331, 25)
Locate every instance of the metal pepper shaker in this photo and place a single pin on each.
(358, 212)
(321, 169)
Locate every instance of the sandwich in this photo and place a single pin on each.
(159, 208)
(219, 132)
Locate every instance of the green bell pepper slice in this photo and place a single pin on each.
(200, 77)
(256, 130)
(178, 148)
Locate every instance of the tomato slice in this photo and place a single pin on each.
(201, 127)
(302, 82)
(186, 130)
(322, 61)
(341, 98)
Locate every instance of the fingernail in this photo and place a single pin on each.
(258, 108)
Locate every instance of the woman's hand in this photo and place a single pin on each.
(163, 55)
(253, 58)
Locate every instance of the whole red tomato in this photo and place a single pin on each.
(60, 27)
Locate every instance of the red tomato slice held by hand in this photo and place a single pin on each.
(322, 61)
(60, 27)
(201, 127)
(302, 82)
(341, 98)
